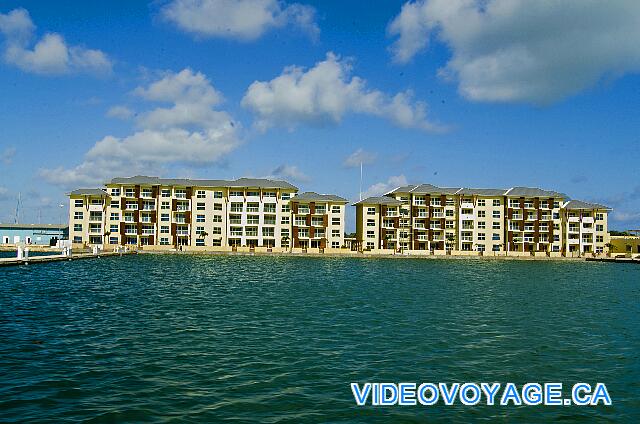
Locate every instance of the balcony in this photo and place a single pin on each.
(574, 219)
(532, 217)
(528, 239)
(466, 205)
(182, 232)
(573, 241)
(466, 238)
(419, 226)
(587, 220)
(516, 218)
(422, 237)
(438, 215)
(574, 230)
(467, 217)
(95, 208)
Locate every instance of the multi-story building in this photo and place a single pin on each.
(519, 219)
(318, 220)
(151, 211)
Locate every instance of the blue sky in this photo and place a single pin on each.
(454, 93)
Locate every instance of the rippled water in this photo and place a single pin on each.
(275, 339)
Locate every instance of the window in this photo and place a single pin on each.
(200, 206)
(146, 192)
(77, 239)
(370, 245)
(217, 206)
(335, 209)
(335, 244)
(268, 232)
(599, 216)
(335, 233)
(481, 236)
(284, 220)
(371, 234)
(496, 214)
(481, 248)
(166, 192)
(200, 194)
(115, 216)
(78, 215)
(482, 214)
(335, 221)
(115, 192)
(496, 236)
(114, 228)
(481, 202)
(164, 217)
(496, 202)
(165, 205)
(496, 248)
(79, 203)
(200, 218)
(236, 207)
(77, 227)
(253, 219)
(113, 240)
(482, 225)
(217, 195)
(285, 196)
(269, 208)
(252, 207)
(199, 242)
(599, 239)
(269, 194)
(449, 212)
(216, 230)
(495, 226)
(599, 227)
(164, 241)
(217, 218)
(236, 193)
(284, 232)
(164, 229)
(115, 204)
(371, 211)
(253, 193)
(285, 208)
(371, 222)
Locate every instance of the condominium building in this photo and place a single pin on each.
(519, 219)
(151, 211)
(318, 220)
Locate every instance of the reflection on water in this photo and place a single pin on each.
(206, 338)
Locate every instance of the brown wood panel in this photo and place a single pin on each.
(312, 207)
(136, 191)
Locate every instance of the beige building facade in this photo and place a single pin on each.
(169, 213)
(523, 220)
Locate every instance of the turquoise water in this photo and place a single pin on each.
(155, 338)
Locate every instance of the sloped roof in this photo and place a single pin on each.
(379, 200)
(579, 204)
(88, 192)
(483, 191)
(533, 192)
(240, 182)
(311, 196)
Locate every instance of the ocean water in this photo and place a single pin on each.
(180, 338)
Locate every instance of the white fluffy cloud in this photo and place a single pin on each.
(190, 132)
(120, 112)
(523, 51)
(6, 156)
(50, 54)
(283, 172)
(383, 187)
(324, 94)
(358, 157)
(238, 19)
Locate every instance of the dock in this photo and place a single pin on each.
(624, 260)
(57, 258)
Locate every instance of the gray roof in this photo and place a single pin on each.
(533, 192)
(88, 192)
(381, 200)
(310, 196)
(424, 189)
(483, 191)
(579, 204)
(35, 226)
(240, 182)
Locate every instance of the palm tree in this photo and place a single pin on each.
(609, 247)
(450, 240)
